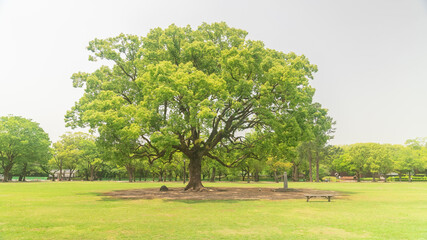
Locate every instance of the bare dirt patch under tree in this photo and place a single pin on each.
(222, 193)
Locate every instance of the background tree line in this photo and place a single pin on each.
(25, 150)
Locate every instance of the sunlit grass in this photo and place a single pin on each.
(77, 210)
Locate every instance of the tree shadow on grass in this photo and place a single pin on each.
(215, 195)
(345, 195)
(103, 197)
(112, 199)
(227, 201)
(90, 194)
(209, 201)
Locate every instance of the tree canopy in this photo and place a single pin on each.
(193, 91)
(21, 141)
(76, 150)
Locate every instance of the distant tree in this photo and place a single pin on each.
(119, 147)
(355, 158)
(89, 155)
(191, 91)
(416, 143)
(368, 158)
(320, 132)
(75, 150)
(65, 154)
(420, 146)
(278, 167)
(413, 156)
(386, 161)
(55, 163)
(377, 158)
(21, 141)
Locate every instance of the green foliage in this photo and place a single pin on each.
(406, 179)
(23, 143)
(381, 159)
(76, 151)
(410, 158)
(329, 179)
(32, 178)
(193, 91)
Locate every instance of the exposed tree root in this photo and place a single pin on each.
(194, 186)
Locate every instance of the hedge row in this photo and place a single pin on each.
(405, 179)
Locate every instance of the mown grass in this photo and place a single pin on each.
(77, 210)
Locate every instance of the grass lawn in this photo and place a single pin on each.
(76, 210)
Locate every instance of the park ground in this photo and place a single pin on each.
(82, 210)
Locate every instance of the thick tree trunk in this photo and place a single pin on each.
(70, 174)
(60, 174)
(195, 169)
(317, 166)
(373, 177)
(295, 174)
(160, 177)
(409, 177)
(92, 170)
(130, 173)
(213, 175)
(310, 170)
(23, 173)
(6, 176)
(276, 179)
(184, 174)
(6, 171)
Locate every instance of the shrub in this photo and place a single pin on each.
(329, 179)
(405, 179)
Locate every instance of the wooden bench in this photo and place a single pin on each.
(328, 196)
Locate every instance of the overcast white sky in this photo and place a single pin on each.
(371, 55)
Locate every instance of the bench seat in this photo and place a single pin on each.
(328, 196)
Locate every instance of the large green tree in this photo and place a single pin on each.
(21, 141)
(191, 91)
